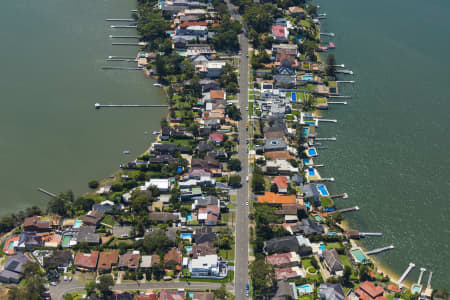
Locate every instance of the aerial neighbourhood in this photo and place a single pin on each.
(164, 226)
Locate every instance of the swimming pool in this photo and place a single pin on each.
(308, 205)
(332, 233)
(416, 289)
(186, 236)
(307, 77)
(299, 39)
(179, 169)
(191, 295)
(359, 256)
(304, 289)
(318, 218)
(188, 248)
(323, 190)
(313, 123)
(11, 245)
(66, 241)
(294, 97)
(77, 224)
(189, 217)
(311, 172)
(305, 131)
(307, 161)
(322, 247)
(312, 152)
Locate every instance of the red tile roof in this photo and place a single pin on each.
(217, 94)
(108, 259)
(394, 288)
(216, 137)
(193, 23)
(173, 254)
(286, 273)
(147, 297)
(281, 182)
(86, 260)
(171, 295)
(278, 30)
(272, 198)
(279, 259)
(367, 289)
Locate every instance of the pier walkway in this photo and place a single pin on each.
(120, 20)
(121, 68)
(46, 192)
(422, 270)
(364, 234)
(98, 105)
(337, 102)
(410, 267)
(379, 250)
(326, 139)
(354, 208)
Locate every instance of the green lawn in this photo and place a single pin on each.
(250, 108)
(108, 220)
(227, 254)
(229, 278)
(344, 259)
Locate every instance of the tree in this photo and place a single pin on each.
(234, 165)
(364, 273)
(93, 184)
(331, 65)
(346, 275)
(90, 287)
(68, 297)
(258, 183)
(7, 224)
(16, 293)
(262, 277)
(274, 188)
(105, 284)
(157, 241)
(158, 271)
(233, 112)
(234, 181)
(222, 293)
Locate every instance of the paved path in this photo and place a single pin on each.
(65, 287)
(242, 232)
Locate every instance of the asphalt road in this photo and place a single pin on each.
(242, 231)
(64, 287)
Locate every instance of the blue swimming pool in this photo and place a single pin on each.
(179, 169)
(305, 131)
(322, 247)
(188, 248)
(294, 97)
(299, 39)
(186, 235)
(332, 233)
(312, 151)
(191, 295)
(310, 123)
(189, 217)
(311, 172)
(323, 190)
(304, 289)
(307, 77)
(416, 289)
(318, 218)
(306, 161)
(308, 205)
(77, 224)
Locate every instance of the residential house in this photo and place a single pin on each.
(86, 261)
(147, 297)
(296, 11)
(206, 266)
(163, 217)
(332, 262)
(93, 217)
(308, 227)
(305, 247)
(368, 291)
(273, 198)
(206, 164)
(202, 296)
(274, 155)
(282, 183)
(275, 145)
(13, 268)
(162, 184)
(35, 224)
(281, 245)
(280, 33)
(285, 81)
(104, 207)
(214, 68)
(58, 259)
(87, 234)
(289, 273)
(174, 255)
(203, 147)
(29, 241)
(146, 262)
(216, 138)
(129, 261)
(107, 260)
(190, 192)
(311, 194)
(203, 249)
(285, 291)
(204, 234)
(208, 215)
(290, 49)
(331, 291)
(283, 60)
(283, 260)
(172, 295)
(281, 166)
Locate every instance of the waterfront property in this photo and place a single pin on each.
(359, 256)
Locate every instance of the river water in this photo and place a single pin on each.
(50, 134)
(391, 154)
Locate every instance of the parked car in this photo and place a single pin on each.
(53, 283)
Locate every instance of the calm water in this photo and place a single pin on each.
(391, 155)
(50, 134)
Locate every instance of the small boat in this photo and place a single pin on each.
(157, 84)
(331, 45)
(322, 49)
(126, 152)
(146, 132)
(156, 132)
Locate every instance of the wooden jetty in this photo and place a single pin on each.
(46, 192)
(343, 196)
(98, 105)
(354, 208)
(130, 44)
(410, 267)
(123, 36)
(364, 234)
(123, 26)
(326, 139)
(379, 250)
(121, 68)
(120, 20)
(337, 102)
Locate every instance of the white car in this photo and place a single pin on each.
(246, 203)
(246, 108)
(53, 283)
(246, 178)
(69, 278)
(65, 278)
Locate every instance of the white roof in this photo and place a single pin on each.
(197, 27)
(204, 262)
(146, 261)
(162, 184)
